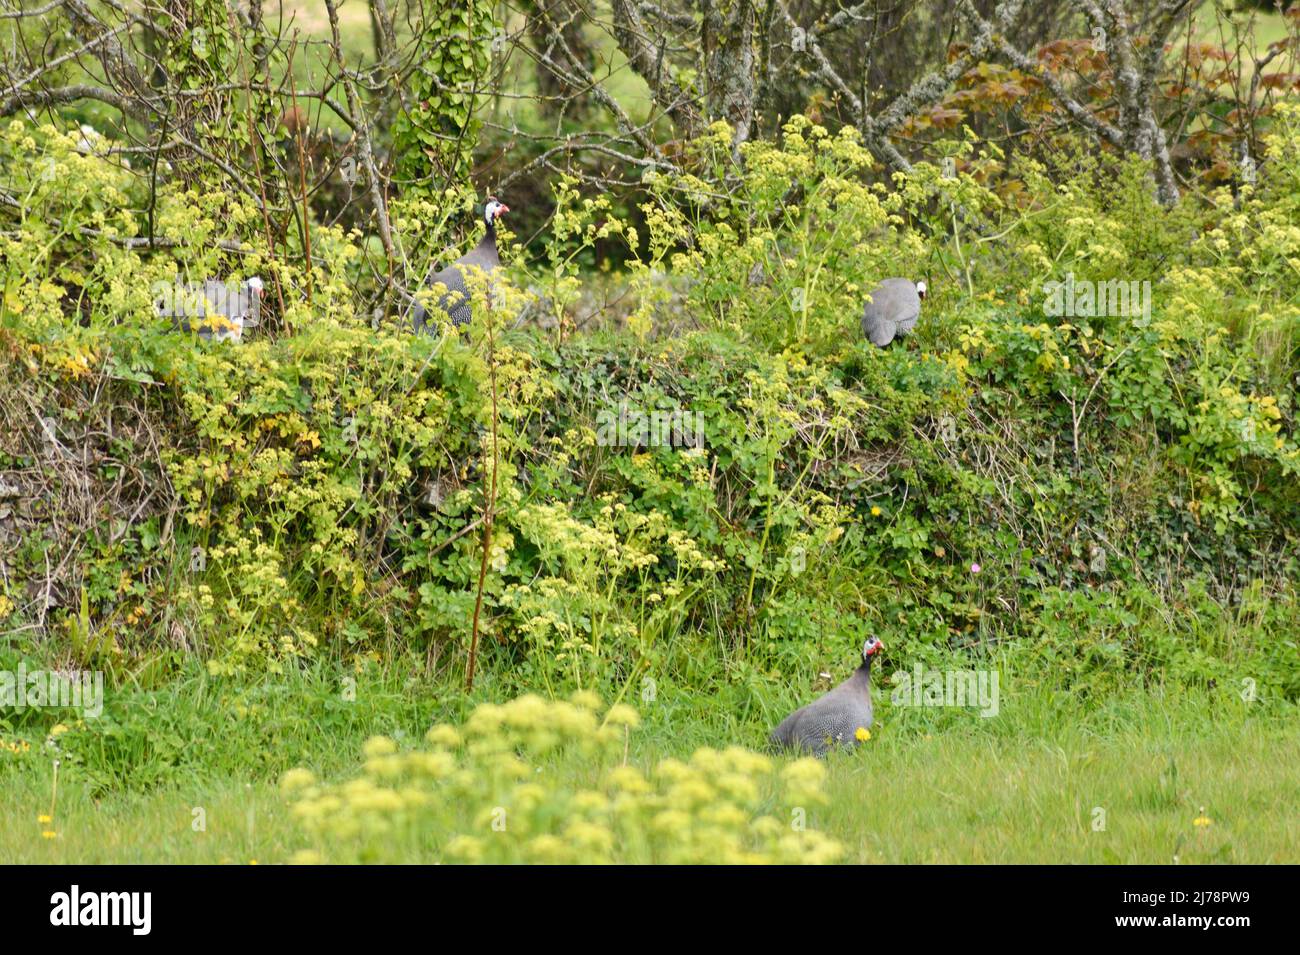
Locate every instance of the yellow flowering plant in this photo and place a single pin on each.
(502, 788)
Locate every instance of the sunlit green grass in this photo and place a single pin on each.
(517, 78)
(1036, 799)
(932, 785)
(242, 823)
(1263, 27)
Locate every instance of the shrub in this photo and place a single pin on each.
(319, 490)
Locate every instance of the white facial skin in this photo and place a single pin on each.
(920, 289)
(255, 284)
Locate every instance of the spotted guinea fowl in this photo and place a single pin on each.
(893, 310)
(454, 298)
(840, 717)
(217, 310)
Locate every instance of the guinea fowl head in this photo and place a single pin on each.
(256, 292)
(493, 210)
(920, 289)
(870, 649)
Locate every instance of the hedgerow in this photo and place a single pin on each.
(1108, 492)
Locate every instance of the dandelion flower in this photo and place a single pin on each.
(862, 734)
(1202, 821)
(875, 512)
(49, 834)
(44, 818)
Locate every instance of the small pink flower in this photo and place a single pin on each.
(974, 568)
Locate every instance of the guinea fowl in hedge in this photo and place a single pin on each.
(216, 310)
(455, 297)
(840, 717)
(894, 307)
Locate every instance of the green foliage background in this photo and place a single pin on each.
(1126, 486)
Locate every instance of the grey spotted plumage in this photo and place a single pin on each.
(894, 308)
(219, 311)
(454, 302)
(834, 718)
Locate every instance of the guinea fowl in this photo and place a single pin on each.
(840, 717)
(454, 300)
(218, 310)
(893, 310)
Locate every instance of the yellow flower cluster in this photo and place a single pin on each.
(543, 781)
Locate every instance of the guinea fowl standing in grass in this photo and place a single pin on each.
(840, 717)
(893, 310)
(454, 300)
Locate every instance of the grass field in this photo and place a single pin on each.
(1143, 778)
